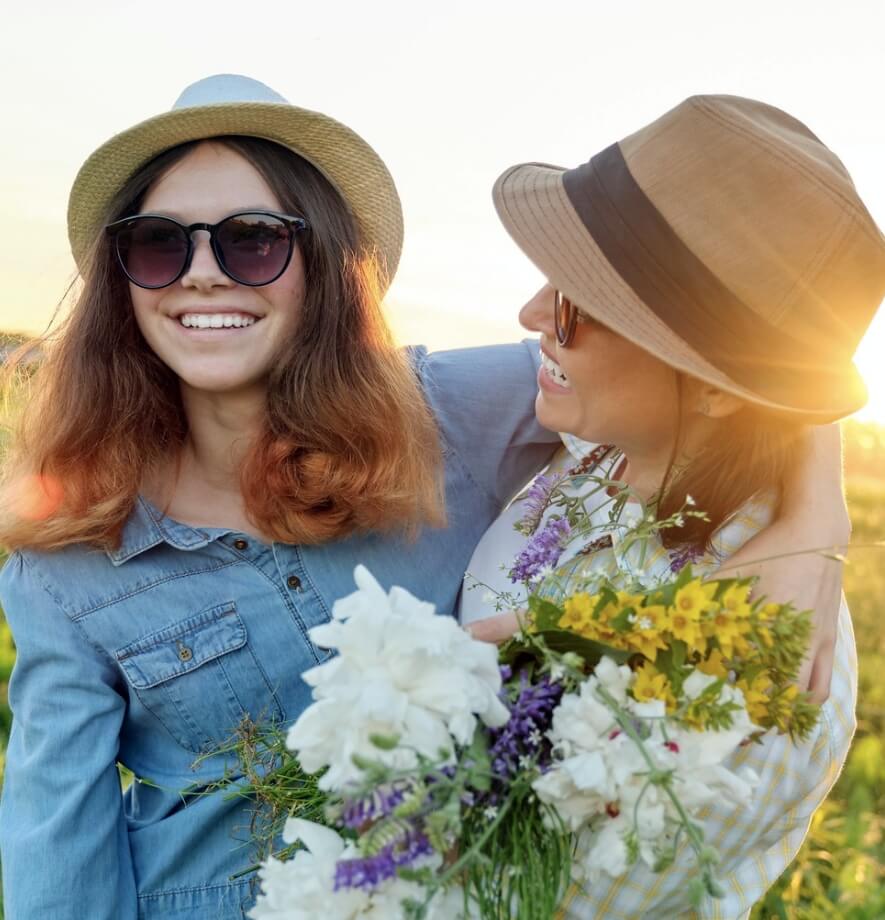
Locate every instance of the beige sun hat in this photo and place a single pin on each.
(232, 104)
(725, 239)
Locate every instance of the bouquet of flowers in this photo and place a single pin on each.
(435, 776)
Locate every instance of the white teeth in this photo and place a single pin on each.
(554, 370)
(215, 320)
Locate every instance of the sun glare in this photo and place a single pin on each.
(869, 359)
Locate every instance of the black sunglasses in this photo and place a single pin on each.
(251, 247)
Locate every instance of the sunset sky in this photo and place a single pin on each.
(449, 94)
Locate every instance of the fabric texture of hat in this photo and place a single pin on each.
(227, 104)
(725, 239)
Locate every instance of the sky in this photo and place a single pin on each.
(449, 94)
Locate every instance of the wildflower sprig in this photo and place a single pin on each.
(688, 624)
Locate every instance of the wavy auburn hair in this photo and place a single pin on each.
(347, 442)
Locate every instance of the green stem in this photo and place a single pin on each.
(456, 867)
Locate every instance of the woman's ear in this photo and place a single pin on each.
(711, 402)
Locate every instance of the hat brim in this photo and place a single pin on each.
(344, 158)
(535, 209)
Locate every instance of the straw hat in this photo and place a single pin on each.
(725, 239)
(232, 104)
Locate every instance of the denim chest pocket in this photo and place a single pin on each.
(200, 678)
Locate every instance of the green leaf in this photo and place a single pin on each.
(621, 622)
(561, 640)
(545, 614)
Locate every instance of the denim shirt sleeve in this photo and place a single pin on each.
(484, 402)
(61, 792)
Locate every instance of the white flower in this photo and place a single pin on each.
(302, 888)
(601, 775)
(608, 854)
(572, 806)
(402, 672)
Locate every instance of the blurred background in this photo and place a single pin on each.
(450, 95)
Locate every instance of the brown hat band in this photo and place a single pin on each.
(673, 282)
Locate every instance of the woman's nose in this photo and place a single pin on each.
(537, 314)
(204, 270)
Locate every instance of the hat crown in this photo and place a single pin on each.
(770, 210)
(226, 88)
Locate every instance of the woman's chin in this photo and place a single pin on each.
(550, 415)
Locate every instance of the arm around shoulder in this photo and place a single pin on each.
(63, 836)
(484, 402)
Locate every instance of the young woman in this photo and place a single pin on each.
(220, 431)
(693, 362)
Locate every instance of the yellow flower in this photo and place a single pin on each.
(646, 636)
(734, 600)
(726, 628)
(764, 634)
(714, 665)
(690, 603)
(651, 684)
(625, 599)
(578, 611)
(780, 708)
(757, 698)
(578, 618)
(694, 598)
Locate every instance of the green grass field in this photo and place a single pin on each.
(840, 871)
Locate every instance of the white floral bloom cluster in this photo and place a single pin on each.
(603, 783)
(302, 888)
(402, 673)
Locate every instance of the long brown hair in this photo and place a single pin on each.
(347, 442)
(751, 453)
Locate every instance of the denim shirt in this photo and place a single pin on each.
(152, 654)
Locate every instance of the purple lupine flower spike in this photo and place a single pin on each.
(543, 550)
(371, 871)
(524, 734)
(536, 500)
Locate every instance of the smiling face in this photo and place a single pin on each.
(216, 335)
(602, 387)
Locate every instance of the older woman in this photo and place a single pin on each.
(709, 279)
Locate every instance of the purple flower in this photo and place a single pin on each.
(379, 804)
(524, 734)
(683, 556)
(371, 871)
(544, 549)
(536, 500)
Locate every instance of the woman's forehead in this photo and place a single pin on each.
(211, 177)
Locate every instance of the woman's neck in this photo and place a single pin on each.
(647, 464)
(206, 472)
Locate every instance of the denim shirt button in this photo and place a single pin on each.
(294, 582)
(241, 544)
(184, 653)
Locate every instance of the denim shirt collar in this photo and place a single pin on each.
(147, 527)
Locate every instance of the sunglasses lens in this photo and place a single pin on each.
(563, 318)
(153, 251)
(254, 248)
